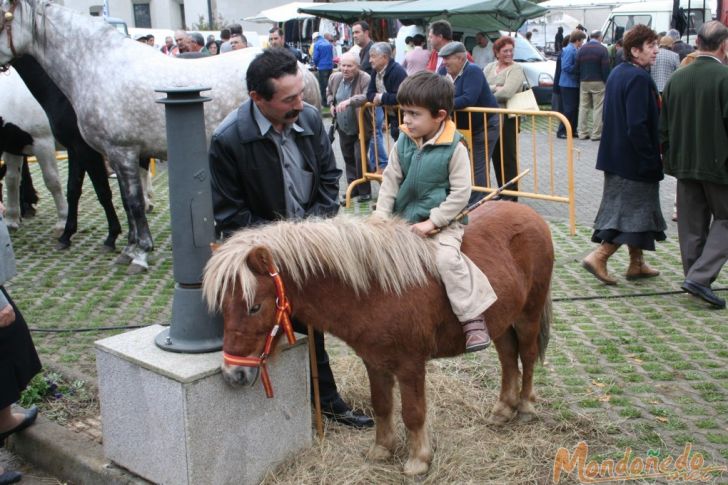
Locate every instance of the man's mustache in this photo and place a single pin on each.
(292, 114)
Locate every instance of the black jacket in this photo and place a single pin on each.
(247, 173)
(394, 74)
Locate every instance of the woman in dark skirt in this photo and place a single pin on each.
(18, 359)
(629, 156)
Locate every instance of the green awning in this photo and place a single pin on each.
(485, 15)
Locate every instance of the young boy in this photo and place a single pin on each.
(427, 182)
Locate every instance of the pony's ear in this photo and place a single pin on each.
(260, 260)
(215, 246)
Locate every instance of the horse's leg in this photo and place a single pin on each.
(505, 409)
(93, 163)
(527, 331)
(73, 195)
(45, 152)
(147, 188)
(28, 195)
(126, 166)
(414, 414)
(381, 383)
(14, 164)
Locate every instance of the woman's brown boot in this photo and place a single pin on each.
(637, 267)
(596, 262)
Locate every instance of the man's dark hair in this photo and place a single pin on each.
(636, 37)
(271, 64)
(276, 30)
(236, 29)
(361, 23)
(442, 28)
(711, 35)
(225, 34)
(596, 34)
(427, 90)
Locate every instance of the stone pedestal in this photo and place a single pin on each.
(171, 418)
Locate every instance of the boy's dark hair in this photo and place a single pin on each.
(427, 90)
(419, 39)
(442, 28)
(576, 36)
(225, 34)
(236, 29)
(636, 37)
(268, 65)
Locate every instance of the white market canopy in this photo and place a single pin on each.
(282, 13)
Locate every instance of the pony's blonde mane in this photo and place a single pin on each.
(359, 252)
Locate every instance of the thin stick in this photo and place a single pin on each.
(315, 379)
(482, 201)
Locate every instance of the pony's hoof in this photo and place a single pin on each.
(135, 269)
(62, 246)
(149, 208)
(123, 259)
(500, 418)
(107, 249)
(58, 232)
(378, 453)
(525, 417)
(415, 466)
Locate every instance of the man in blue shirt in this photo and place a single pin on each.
(592, 63)
(569, 80)
(323, 59)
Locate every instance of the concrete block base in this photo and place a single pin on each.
(171, 418)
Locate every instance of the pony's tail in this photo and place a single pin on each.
(547, 316)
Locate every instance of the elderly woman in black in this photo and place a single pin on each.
(18, 358)
(629, 156)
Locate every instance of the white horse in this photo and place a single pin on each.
(19, 107)
(111, 86)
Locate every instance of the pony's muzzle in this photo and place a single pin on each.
(237, 376)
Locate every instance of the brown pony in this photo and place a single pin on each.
(373, 283)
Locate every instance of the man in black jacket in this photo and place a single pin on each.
(271, 159)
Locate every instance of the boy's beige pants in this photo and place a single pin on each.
(467, 287)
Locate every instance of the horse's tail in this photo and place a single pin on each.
(544, 333)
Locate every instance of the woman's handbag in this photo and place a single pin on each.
(523, 101)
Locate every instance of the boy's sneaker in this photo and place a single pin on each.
(476, 335)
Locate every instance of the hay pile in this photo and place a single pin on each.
(461, 392)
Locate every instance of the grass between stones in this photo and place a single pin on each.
(622, 370)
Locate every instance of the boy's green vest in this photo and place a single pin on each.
(425, 177)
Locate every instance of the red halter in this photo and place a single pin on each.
(283, 319)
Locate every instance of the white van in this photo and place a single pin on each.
(657, 15)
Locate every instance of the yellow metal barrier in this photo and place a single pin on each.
(536, 124)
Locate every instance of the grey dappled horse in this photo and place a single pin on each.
(111, 86)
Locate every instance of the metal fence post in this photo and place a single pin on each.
(193, 329)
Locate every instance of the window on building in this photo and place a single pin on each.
(142, 16)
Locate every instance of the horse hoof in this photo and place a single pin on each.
(525, 417)
(62, 246)
(415, 467)
(57, 232)
(498, 419)
(378, 453)
(149, 209)
(123, 259)
(135, 269)
(107, 249)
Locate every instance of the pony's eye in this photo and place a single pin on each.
(254, 309)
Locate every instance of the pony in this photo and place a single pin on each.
(82, 158)
(25, 131)
(112, 90)
(373, 283)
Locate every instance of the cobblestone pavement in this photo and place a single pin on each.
(642, 359)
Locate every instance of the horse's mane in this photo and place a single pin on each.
(103, 29)
(360, 252)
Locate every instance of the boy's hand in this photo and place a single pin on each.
(423, 228)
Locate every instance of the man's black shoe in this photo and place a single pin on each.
(561, 135)
(350, 418)
(704, 293)
(365, 198)
(337, 410)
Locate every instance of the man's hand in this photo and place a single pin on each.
(343, 106)
(377, 99)
(7, 315)
(423, 228)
